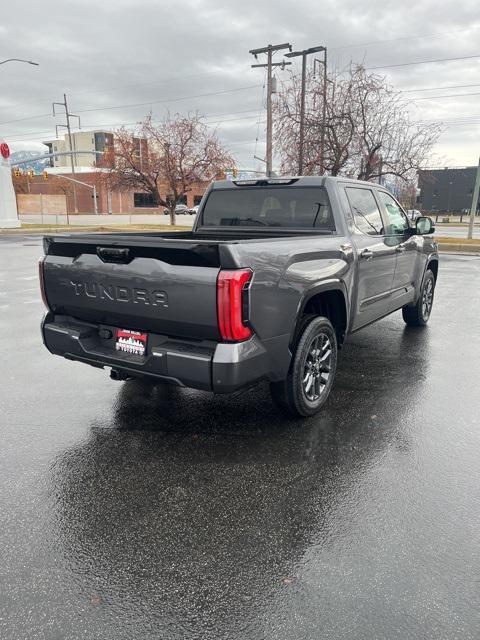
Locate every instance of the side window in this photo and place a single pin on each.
(397, 220)
(365, 211)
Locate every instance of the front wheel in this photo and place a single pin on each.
(312, 370)
(418, 314)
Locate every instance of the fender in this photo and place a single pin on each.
(333, 284)
(431, 257)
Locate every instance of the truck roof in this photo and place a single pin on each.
(312, 181)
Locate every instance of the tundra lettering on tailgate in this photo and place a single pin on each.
(120, 293)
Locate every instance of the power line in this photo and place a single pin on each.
(452, 86)
(41, 115)
(408, 64)
(93, 125)
(151, 82)
(145, 104)
(377, 42)
(452, 95)
(140, 104)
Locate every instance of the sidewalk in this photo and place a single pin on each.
(453, 220)
(31, 229)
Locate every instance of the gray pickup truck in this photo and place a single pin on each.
(268, 284)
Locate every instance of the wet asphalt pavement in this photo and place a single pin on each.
(137, 512)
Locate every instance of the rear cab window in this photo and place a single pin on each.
(269, 206)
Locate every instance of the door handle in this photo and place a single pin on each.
(112, 254)
(366, 254)
(400, 248)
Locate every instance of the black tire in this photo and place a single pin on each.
(417, 315)
(312, 370)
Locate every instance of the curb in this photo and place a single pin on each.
(459, 247)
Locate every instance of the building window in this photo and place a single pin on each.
(197, 200)
(169, 199)
(144, 200)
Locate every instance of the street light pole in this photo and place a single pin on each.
(301, 141)
(85, 184)
(302, 113)
(324, 112)
(19, 60)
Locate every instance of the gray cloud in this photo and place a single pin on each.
(124, 52)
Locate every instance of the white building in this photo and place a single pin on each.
(81, 141)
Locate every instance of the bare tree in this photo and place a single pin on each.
(368, 129)
(407, 192)
(172, 155)
(339, 125)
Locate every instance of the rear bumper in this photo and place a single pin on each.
(206, 365)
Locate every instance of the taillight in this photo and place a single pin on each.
(41, 277)
(232, 304)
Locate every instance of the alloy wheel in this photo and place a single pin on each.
(427, 299)
(317, 367)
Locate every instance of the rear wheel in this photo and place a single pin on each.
(312, 370)
(418, 314)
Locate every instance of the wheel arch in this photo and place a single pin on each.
(327, 299)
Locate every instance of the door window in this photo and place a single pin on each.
(397, 220)
(365, 211)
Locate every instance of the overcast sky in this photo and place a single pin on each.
(162, 55)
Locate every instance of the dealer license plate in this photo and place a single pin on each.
(133, 342)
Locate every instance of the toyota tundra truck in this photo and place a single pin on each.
(273, 277)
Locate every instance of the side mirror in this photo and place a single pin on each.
(424, 225)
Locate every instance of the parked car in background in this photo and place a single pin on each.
(193, 210)
(413, 214)
(180, 209)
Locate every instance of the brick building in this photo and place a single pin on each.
(107, 202)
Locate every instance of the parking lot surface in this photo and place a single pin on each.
(129, 511)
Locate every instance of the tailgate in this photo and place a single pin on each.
(168, 289)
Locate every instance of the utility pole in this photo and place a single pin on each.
(301, 142)
(67, 126)
(473, 208)
(270, 50)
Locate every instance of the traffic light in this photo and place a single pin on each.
(45, 175)
(17, 173)
(234, 172)
(30, 173)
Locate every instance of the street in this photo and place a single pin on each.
(129, 511)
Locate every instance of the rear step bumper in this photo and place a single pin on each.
(206, 365)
